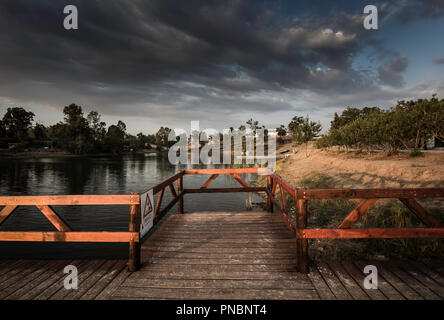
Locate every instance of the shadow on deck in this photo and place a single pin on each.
(220, 255)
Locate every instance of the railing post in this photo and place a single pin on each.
(302, 244)
(179, 191)
(269, 187)
(134, 246)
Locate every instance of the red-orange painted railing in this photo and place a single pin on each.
(343, 231)
(299, 227)
(64, 232)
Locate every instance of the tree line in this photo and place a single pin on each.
(408, 125)
(77, 133)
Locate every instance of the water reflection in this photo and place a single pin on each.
(95, 175)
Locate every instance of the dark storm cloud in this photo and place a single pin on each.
(182, 55)
(391, 72)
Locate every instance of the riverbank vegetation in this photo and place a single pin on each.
(409, 125)
(76, 134)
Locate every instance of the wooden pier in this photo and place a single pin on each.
(223, 255)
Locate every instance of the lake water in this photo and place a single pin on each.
(96, 175)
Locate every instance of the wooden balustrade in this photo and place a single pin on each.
(298, 225)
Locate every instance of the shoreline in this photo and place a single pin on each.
(63, 154)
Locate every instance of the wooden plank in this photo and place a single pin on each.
(164, 293)
(420, 212)
(26, 291)
(113, 285)
(402, 288)
(9, 267)
(57, 288)
(223, 227)
(103, 282)
(289, 188)
(357, 213)
(384, 286)
(320, 285)
(283, 215)
(85, 271)
(209, 181)
(173, 191)
(240, 180)
(362, 233)
(436, 276)
(359, 276)
(425, 292)
(219, 268)
(216, 255)
(159, 202)
(283, 199)
(213, 261)
(421, 276)
(353, 288)
(168, 207)
(59, 236)
(177, 273)
(85, 285)
(302, 244)
(166, 182)
(6, 212)
(219, 248)
(54, 218)
(233, 237)
(69, 200)
(333, 282)
(134, 244)
(22, 278)
(51, 284)
(382, 193)
(180, 204)
(137, 282)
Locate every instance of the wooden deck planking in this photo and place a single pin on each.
(220, 255)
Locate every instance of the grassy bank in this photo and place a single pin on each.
(385, 213)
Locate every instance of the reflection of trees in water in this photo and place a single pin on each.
(15, 175)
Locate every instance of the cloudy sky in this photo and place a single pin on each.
(159, 62)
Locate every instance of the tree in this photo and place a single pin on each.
(254, 125)
(78, 130)
(115, 138)
(40, 132)
(306, 131)
(97, 126)
(281, 131)
(16, 123)
(295, 123)
(2, 130)
(162, 137)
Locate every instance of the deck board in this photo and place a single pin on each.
(220, 255)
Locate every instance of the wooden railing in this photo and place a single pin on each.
(64, 232)
(344, 230)
(299, 227)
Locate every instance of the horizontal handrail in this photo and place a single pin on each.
(69, 200)
(370, 193)
(226, 171)
(84, 236)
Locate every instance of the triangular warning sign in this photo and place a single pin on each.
(148, 206)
